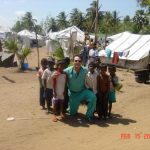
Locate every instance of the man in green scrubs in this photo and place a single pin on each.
(77, 90)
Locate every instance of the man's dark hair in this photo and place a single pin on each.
(77, 56)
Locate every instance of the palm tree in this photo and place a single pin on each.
(52, 25)
(12, 47)
(28, 21)
(116, 21)
(49, 24)
(76, 18)
(90, 15)
(17, 26)
(144, 3)
(108, 24)
(127, 24)
(140, 19)
(126, 19)
(62, 20)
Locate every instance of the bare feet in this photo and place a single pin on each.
(62, 115)
(55, 119)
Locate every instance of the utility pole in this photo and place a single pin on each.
(37, 46)
(96, 21)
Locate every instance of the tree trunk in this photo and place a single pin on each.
(37, 46)
(21, 64)
(96, 22)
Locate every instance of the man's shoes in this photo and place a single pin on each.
(91, 120)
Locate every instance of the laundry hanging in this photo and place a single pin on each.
(115, 58)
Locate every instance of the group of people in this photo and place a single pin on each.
(64, 87)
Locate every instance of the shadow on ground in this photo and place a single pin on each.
(80, 121)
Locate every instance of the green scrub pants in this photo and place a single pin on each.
(76, 97)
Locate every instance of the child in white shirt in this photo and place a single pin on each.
(59, 84)
(47, 82)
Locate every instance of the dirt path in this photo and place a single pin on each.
(32, 129)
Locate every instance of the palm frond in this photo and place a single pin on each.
(11, 46)
(26, 52)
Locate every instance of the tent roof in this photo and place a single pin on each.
(137, 45)
(66, 33)
(131, 40)
(115, 44)
(5, 55)
(116, 36)
(29, 34)
(140, 53)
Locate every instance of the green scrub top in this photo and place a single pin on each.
(76, 81)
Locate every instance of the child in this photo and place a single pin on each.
(114, 84)
(59, 84)
(47, 81)
(103, 84)
(39, 74)
(91, 78)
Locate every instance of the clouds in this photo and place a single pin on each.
(20, 13)
(6, 22)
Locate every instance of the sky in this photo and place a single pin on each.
(12, 10)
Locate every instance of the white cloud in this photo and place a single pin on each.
(20, 13)
(5, 22)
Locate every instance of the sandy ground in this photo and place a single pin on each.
(33, 129)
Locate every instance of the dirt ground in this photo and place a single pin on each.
(33, 129)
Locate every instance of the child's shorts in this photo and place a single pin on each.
(112, 96)
(48, 93)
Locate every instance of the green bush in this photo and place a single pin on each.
(59, 53)
(12, 47)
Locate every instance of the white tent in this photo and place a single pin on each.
(118, 42)
(30, 37)
(137, 50)
(65, 37)
(115, 37)
(134, 50)
(67, 33)
(5, 33)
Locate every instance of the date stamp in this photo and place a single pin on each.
(127, 136)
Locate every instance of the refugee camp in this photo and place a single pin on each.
(74, 75)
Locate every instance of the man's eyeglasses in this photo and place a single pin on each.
(77, 60)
